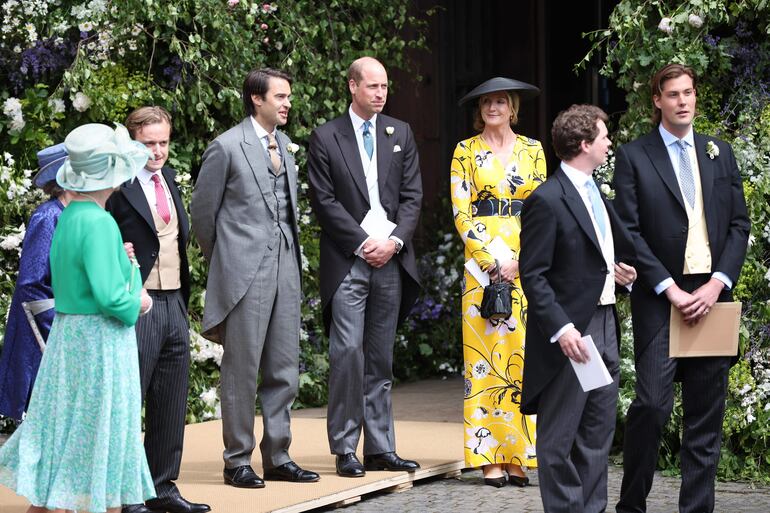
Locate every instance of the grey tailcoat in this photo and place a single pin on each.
(233, 220)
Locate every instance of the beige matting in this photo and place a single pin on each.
(438, 446)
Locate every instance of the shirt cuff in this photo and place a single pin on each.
(724, 279)
(662, 286)
(562, 331)
(359, 249)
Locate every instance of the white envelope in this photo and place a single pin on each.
(592, 374)
(499, 251)
(377, 225)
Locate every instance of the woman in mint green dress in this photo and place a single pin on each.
(80, 446)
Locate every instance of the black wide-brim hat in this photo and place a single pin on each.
(493, 85)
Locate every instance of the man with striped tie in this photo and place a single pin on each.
(150, 214)
(681, 197)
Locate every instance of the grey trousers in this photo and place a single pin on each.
(163, 339)
(575, 429)
(363, 330)
(262, 338)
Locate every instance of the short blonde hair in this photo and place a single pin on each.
(513, 102)
(144, 116)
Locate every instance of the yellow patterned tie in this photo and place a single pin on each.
(272, 150)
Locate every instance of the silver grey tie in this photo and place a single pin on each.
(686, 179)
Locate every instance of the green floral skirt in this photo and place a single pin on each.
(80, 445)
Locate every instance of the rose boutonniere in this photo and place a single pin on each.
(607, 191)
(712, 150)
(292, 148)
(389, 130)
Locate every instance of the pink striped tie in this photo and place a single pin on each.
(161, 204)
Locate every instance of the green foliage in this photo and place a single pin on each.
(65, 63)
(726, 43)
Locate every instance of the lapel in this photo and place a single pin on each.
(181, 213)
(346, 139)
(134, 194)
(385, 144)
(661, 161)
(576, 206)
(705, 168)
(254, 153)
(289, 166)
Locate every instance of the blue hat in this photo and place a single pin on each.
(100, 157)
(50, 160)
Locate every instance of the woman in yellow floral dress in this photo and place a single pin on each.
(492, 173)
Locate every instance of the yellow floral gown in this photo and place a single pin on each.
(486, 202)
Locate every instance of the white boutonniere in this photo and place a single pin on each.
(712, 150)
(292, 148)
(389, 130)
(607, 191)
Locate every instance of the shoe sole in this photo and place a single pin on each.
(277, 478)
(378, 468)
(235, 485)
(362, 474)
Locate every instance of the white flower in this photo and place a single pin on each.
(209, 397)
(56, 104)
(389, 130)
(86, 26)
(767, 275)
(203, 350)
(137, 29)
(712, 150)
(637, 85)
(665, 26)
(292, 148)
(17, 122)
(480, 369)
(12, 107)
(13, 240)
(695, 20)
(81, 102)
(8, 158)
(233, 3)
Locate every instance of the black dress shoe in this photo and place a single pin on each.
(349, 466)
(136, 508)
(243, 477)
(176, 504)
(291, 472)
(389, 461)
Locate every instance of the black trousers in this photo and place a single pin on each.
(164, 362)
(704, 388)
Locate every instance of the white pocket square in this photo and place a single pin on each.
(396, 148)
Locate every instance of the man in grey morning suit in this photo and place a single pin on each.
(364, 162)
(571, 239)
(243, 211)
(151, 216)
(681, 197)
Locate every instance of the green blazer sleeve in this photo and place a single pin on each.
(108, 271)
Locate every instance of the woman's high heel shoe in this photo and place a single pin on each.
(497, 482)
(520, 481)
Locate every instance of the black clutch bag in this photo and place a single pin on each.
(496, 303)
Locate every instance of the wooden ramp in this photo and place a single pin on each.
(438, 446)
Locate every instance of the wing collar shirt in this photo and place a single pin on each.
(670, 140)
(369, 166)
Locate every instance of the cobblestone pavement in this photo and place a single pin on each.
(467, 493)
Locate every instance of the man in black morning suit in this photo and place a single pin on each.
(150, 214)
(681, 197)
(574, 251)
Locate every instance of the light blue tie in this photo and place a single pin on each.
(368, 140)
(596, 205)
(686, 179)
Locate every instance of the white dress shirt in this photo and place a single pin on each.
(262, 136)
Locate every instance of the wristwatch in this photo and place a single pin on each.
(398, 244)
